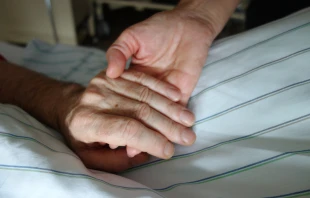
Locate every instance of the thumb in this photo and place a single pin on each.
(119, 52)
(131, 152)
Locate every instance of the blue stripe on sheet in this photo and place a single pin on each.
(31, 126)
(10, 135)
(245, 49)
(51, 49)
(238, 170)
(73, 68)
(28, 117)
(294, 194)
(76, 68)
(285, 58)
(20, 111)
(254, 29)
(252, 101)
(257, 44)
(62, 62)
(253, 135)
(71, 175)
(47, 63)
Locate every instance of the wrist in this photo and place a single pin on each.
(46, 99)
(213, 14)
(204, 22)
(70, 96)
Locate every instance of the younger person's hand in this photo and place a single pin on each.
(171, 46)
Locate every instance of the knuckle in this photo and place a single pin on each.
(139, 76)
(121, 43)
(98, 80)
(102, 81)
(131, 131)
(114, 46)
(145, 94)
(91, 97)
(157, 83)
(144, 111)
(135, 74)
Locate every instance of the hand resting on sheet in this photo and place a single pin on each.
(109, 123)
(128, 111)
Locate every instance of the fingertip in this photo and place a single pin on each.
(168, 150)
(188, 137)
(187, 118)
(116, 63)
(132, 152)
(112, 72)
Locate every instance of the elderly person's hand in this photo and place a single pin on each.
(172, 45)
(135, 110)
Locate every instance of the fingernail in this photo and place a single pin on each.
(169, 150)
(188, 136)
(187, 117)
(173, 94)
(134, 153)
(109, 72)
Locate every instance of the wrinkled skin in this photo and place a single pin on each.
(115, 119)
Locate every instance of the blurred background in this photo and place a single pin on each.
(97, 23)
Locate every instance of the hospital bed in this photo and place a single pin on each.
(252, 105)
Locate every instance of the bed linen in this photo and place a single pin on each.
(252, 107)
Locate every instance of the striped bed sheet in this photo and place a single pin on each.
(12, 53)
(252, 105)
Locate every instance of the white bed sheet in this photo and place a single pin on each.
(12, 53)
(252, 105)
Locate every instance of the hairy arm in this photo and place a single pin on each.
(44, 98)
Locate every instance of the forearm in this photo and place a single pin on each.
(46, 99)
(214, 12)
